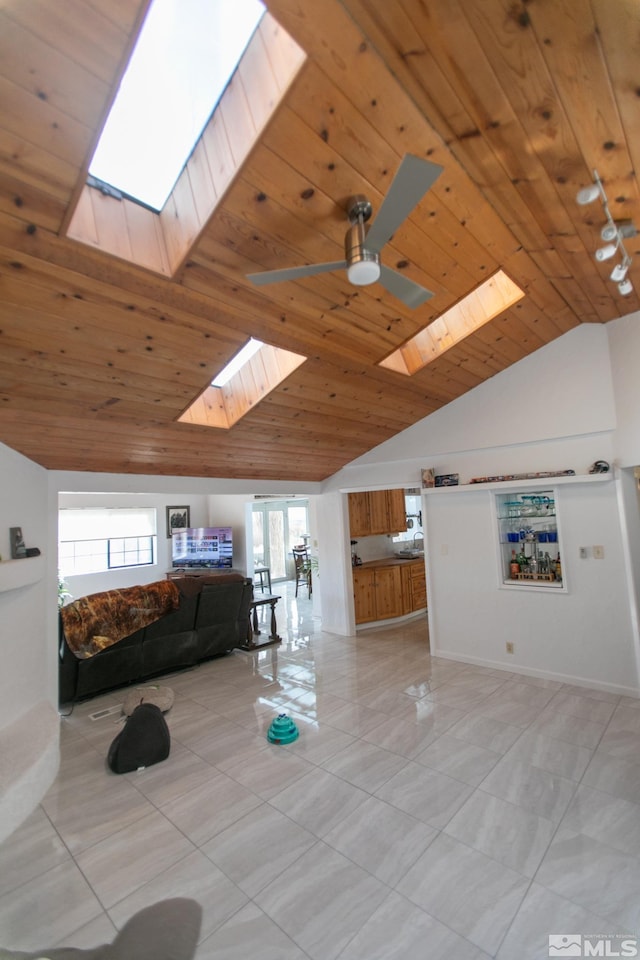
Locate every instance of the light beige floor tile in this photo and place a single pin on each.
(544, 913)
(399, 930)
(126, 860)
(405, 737)
(180, 773)
(365, 765)
(248, 934)
(509, 834)
(318, 741)
(31, 850)
(529, 787)
(257, 848)
(103, 807)
(425, 794)
(613, 775)
(485, 732)
(319, 800)
(467, 891)
(321, 901)
(47, 909)
(354, 719)
(605, 818)
(270, 770)
(194, 877)
(591, 693)
(583, 707)
(459, 759)
(595, 876)
(559, 726)
(557, 756)
(210, 808)
(97, 932)
(381, 839)
(506, 710)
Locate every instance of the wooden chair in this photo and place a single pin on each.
(303, 568)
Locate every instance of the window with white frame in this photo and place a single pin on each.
(94, 539)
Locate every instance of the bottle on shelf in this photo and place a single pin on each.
(522, 560)
(558, 568)
(514, 566)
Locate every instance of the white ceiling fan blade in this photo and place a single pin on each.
(412, 180)
(294, 273)
(411, 294)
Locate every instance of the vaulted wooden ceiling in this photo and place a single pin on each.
(518, 101)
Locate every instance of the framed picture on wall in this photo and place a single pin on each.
(177, 519)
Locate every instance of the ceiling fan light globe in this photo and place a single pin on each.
(363, 272)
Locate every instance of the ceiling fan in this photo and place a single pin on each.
(362, 244)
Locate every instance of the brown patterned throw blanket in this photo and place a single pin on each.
(93, 623)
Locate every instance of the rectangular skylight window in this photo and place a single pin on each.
(243, 356)
(184, 58)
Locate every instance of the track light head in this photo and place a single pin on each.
(588, 194)
(625, 288)
(606, 252)
(609, 232)
(619, 272)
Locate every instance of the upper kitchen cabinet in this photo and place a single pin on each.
(377, 511)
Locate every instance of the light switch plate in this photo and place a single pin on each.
(598, 553)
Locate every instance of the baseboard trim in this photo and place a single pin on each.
(576, 681)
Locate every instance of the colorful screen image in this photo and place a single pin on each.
(202, 547)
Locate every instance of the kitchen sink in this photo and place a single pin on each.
(409, 554)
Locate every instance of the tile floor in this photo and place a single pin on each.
(428, 810)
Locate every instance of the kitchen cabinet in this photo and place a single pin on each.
(373, 512)
(386, 589)
(377, 593)
(414, 586)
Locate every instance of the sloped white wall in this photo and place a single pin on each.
(28, 679)
(558, 409)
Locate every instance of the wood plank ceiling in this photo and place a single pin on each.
(518, 101)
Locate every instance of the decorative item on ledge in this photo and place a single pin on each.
(428, 478)
(447, 480)
(542, 475)
(18, 549)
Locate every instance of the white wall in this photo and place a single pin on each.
(555, 410)
(624, 345)
(28, 620)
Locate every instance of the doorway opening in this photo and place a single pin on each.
(277, 527)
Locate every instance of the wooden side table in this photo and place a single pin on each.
(254, 626)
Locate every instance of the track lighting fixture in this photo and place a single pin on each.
(619, 272)
(612, 233)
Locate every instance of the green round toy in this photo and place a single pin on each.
(282, 730)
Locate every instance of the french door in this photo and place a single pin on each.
(278, 526)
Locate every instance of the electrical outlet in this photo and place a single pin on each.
(510, 647)
(598, 553)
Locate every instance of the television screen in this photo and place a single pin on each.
(202, 547)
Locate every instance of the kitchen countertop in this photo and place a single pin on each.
(389, 562)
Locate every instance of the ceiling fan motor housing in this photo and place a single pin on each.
(363, 266)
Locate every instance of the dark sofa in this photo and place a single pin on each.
(212, 617)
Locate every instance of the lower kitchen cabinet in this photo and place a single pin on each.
(388, 590)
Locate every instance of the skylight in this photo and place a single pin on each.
(183, 60)
(491, 298)
(243, 356)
